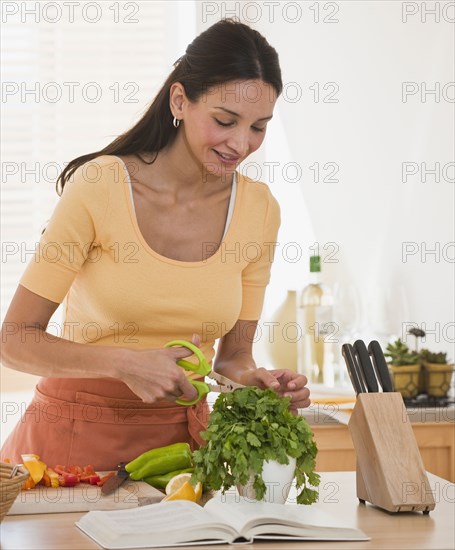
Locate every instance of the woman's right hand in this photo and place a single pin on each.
(153, 374)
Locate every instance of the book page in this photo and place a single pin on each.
(251, 518)
(161, 524)
(225, 518)
(243, 513)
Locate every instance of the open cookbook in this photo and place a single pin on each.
(220, 521)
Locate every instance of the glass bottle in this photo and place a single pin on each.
(315, 320)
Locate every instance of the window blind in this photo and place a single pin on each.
(73, 79)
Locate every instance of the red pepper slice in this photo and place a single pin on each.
(91, 478)
(72, 474)
(68, 480)
(94, 479)
(76, 470)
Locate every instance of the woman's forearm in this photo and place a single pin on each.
(238, 367)
(34, 351)
(152, 374)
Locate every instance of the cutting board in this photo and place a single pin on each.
(83, 498)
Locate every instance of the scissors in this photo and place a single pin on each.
(204, 369)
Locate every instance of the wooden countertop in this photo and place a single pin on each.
(337, 497)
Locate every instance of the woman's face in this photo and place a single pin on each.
(227, 124)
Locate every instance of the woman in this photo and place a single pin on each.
(155, 237)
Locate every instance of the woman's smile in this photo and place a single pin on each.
(227, 159)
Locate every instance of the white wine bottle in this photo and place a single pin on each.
(314, 317)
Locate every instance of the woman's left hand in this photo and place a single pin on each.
(235, 361)
(285, 382)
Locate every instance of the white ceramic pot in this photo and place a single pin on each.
(277, 478)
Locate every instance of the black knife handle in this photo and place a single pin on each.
(366, 366)
(380, 365)
(121, 472)
(353, 370)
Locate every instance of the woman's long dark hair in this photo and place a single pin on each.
(229, 50)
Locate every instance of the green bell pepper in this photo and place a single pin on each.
(162, 480)
(160, 461)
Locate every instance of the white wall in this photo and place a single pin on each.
(370, 213)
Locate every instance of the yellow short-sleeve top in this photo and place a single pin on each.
(118, 291)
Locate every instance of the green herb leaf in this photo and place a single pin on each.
(246, 427)
(252, 439)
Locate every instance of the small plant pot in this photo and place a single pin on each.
(406, 379)
(422, 380)
(277, 478)
(437, 379)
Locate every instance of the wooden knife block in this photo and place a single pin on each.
(390, 471)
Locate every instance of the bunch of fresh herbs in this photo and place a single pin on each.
(247, 427)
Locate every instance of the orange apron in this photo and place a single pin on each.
(99, 421)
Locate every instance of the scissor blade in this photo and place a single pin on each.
(224, 384)
(219, 389)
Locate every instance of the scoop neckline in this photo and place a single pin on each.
(127, 186)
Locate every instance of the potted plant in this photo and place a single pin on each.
(438, 372)
(248, 430)
(405, 367)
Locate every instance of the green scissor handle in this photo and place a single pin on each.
(202, 368)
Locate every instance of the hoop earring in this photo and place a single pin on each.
(176, 122)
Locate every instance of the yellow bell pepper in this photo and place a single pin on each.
(28, 484)
(50, 478)
(35, 467)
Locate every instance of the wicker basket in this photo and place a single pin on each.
(10, 486)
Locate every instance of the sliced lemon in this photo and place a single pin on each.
(198, 491)
(180, 488)
(176, 482)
